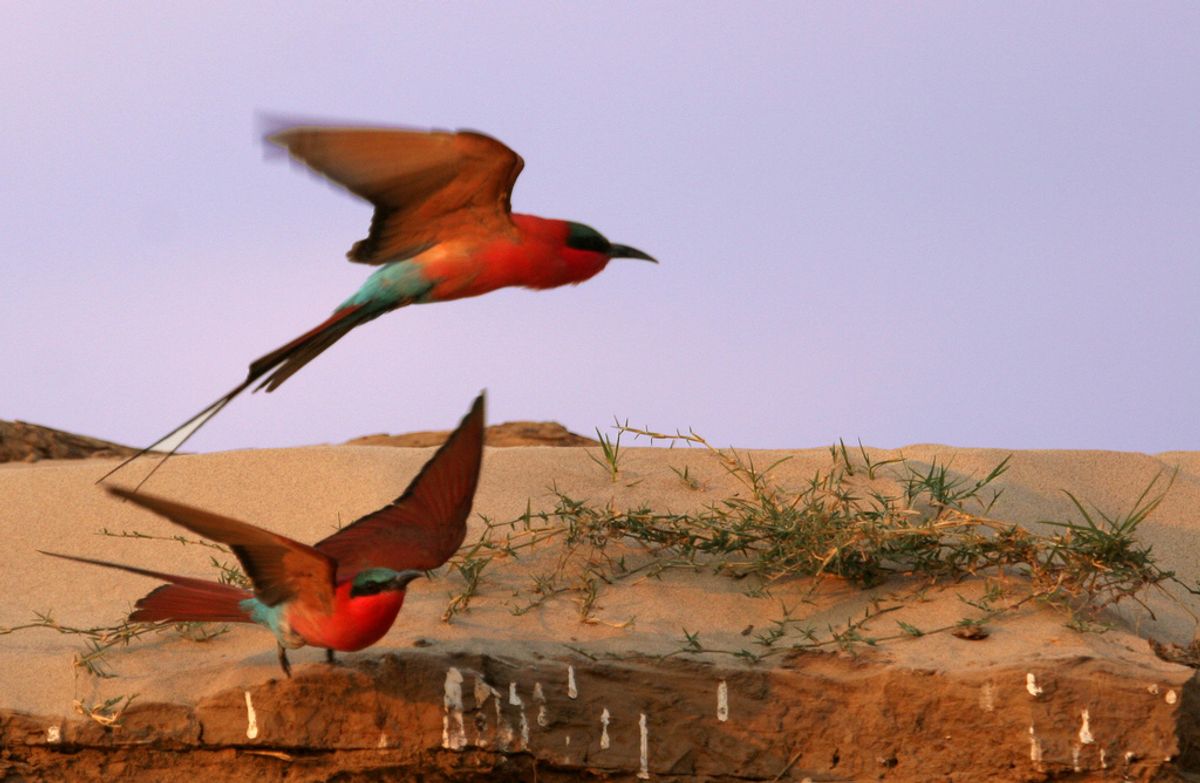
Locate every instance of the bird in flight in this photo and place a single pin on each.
(443, 229)
(342, 593)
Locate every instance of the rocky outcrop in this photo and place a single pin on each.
(24, 442)
(512, 433)
(455, 716)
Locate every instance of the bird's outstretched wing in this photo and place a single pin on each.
(426, 185)
(426, 525)
(280, 568)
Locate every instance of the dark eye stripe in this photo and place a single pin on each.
(595, 244)
(370, 588)
(583, 237)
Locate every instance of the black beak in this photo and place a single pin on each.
(625, 251)
(404, 577)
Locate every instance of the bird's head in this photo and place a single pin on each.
(372, 581)
(581, 237)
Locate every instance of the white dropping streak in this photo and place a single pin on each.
(504, 736)
(1153, 688)
(482, 691)
(515, 701)
(539, 696)
(572, 691)
(382, 740)
(644, 769)
(1075, 758)
(1170, 697)
(53, 734)
(604, 741)
(454, 736)
(251, 719)
(722, 701)
(504, 732)
(1035, 747)
(1032, 686)
(1085, 730)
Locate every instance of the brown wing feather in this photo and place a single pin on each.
(280, 568)
(426, 525)
(426, 186)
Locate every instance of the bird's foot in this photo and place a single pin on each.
(329, 656)
(283, 662)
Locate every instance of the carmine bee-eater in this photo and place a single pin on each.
(342, 593)
(443, 229)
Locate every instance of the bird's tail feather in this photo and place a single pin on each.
(277, 366)
(191, 604)
(183, 600)
(283, 362)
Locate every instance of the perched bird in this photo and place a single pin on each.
(342, 593)
(443, 229)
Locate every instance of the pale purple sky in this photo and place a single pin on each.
(966, 223)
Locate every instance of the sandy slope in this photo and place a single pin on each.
(306, 492)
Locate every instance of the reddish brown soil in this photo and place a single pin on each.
(816, 717)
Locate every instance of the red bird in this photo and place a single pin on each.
(344, 592)
(443, 229)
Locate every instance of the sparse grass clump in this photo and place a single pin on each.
(839, 523)
(100, 640)
(107, 714)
